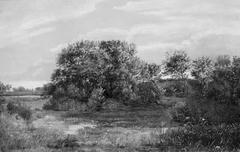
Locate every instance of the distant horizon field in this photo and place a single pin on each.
(21, 94)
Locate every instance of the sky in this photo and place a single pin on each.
(33, 32)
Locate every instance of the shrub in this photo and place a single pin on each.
(211, 112)
(202, 137)
(21, 110)
(50, 105)
(148, 93)
(2, 101)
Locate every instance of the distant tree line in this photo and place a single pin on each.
(7, 89)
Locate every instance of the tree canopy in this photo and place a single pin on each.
(111, 66)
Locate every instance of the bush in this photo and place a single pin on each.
(2, 101)
(203, 137)
(19, 109)
(50, 105)
(211, 112)
(149, 93)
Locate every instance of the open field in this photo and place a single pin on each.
(124, 130)
(29, 93)
(130, 129)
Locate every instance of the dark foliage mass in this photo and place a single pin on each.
(19, 109)
(101, 70)
(203, 138)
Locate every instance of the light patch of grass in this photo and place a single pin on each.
(132, 117)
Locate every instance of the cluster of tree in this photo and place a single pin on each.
(106, 69)
(214, 79)
(7, 89)
(218, 80)
(98, 70)
(4, 87)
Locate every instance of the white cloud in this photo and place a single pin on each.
(37, 72)
(157, 7)
(140, 5)
(21, 19)
(58, 48)
(36, 22)
(161, 37)
(104, 34)
(20, 36)
(43, 60)
(162, 46)
(96, 34)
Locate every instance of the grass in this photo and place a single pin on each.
(18, 135)
(207, 138)
(129, 129)
(130, 117)
(25, 93)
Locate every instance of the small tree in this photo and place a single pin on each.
(225, 84)
(202, 69)
(177, 63)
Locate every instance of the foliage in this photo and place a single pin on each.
(85, 66)
(148, 93)
(19, 109)
(176, 64)
(195, 111)
(89, 64)
(202, 69)
(201, 137)
(225, 84)
(97, 98)
(173, 87)
(4, 87)
(50, 105)
(48, 89)
(219, 80)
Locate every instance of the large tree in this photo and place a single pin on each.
(88, 65)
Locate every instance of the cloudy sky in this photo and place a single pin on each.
(33, 32)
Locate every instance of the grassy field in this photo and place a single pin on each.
(129, 129)
(123, 130)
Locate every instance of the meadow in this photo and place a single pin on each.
(128, 129)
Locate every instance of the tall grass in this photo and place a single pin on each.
(16, 134)
(224, 137)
